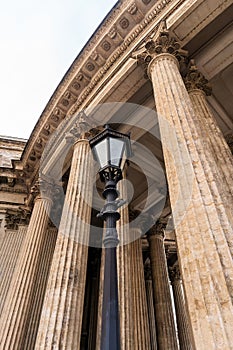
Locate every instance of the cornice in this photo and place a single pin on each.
(121, 28)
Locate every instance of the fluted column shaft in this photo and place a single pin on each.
(151, 309)
(215, 143)
(140, 309)
(200, 215)
(165, 325)
(198, 88)
(124, 267)
(183, 326)
(17, 305)
(61, 319)
(9, 253)
(39, 288)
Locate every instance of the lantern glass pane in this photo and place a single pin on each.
(116, 149)
(101, 152)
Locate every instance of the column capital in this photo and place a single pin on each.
(83, 128)
(157, 230)
(195, 80)
(44, 187)
(174, 273)
(164, 46)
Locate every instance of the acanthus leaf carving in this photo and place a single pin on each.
(158, 229)
(174, 273)
(194, 79)
(164, 43)
(83, 127)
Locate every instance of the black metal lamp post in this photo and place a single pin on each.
(111, 149)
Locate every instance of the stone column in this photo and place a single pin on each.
(9, 252)
(201, 218)
(17, 306)
(165, 324)
(150, 303)
(215, 145)
(39, 288)
(140, 310)
(61, 319)
(185, 339)
(124, 268)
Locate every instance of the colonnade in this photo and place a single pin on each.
(20, 297)
(199, 174)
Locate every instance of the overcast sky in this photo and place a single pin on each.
(39, 40)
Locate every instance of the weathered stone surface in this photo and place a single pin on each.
(10, 149)
(183, 326)
(141, 339)
(107, 71)
(201, 225)
(215, 144)
(17, 305)
(39, 288)
(61, 319)
(9, 252)
(124, 267)
(150, 304)
(165, 324)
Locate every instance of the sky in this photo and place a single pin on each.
(39, 40)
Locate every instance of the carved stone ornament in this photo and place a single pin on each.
(158, 229)
(65, 102)
(15, 218)
(124, 23)
(164, 43)
(43, 187)
(174, 273)
(106, 45)
(103, 44)
(12, 220)
(76, 85)
(90, 66)
(195, 80)
(112, 32)
(84, 127)
(133, 9)
(35, 190)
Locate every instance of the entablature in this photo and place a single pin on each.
(106, 62)
(127, 24)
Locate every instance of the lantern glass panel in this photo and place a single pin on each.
(116, 151)
(101, 151)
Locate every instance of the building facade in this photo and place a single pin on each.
(160, 70)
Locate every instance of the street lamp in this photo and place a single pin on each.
(110, 149)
